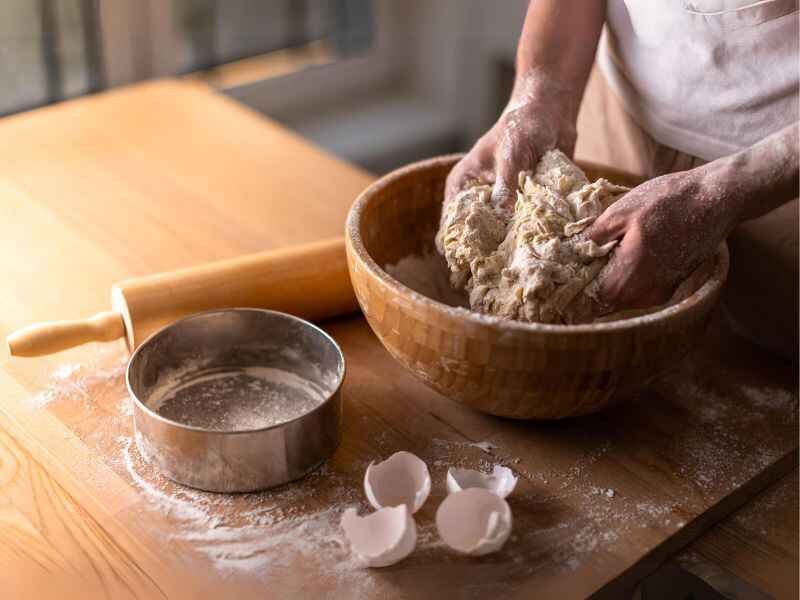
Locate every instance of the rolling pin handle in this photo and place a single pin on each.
(55, 336)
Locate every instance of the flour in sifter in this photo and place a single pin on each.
(236, 399)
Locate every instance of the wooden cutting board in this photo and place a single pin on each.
(170, 174)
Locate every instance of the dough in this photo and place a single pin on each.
(532, 263)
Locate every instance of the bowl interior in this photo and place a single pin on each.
(398, 233)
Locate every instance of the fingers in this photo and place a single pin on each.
(455, 181)
(609, 226)
(504, 178)
(611, 280)
(614, 221)
(469, 169)
(497, 158)
(630, 280)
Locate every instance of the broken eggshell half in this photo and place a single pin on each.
(402, 478)
(500, 481)
(474, 521)
(382, 538)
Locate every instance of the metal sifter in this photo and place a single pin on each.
(197, 384)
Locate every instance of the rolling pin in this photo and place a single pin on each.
(310, 281)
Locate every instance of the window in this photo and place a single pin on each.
(55, 49)
(49, 50)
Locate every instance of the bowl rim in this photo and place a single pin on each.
(355, 243)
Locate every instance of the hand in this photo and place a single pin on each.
(533, 123)
(667, 226)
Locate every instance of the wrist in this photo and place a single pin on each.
(537, 100)
(720, 192)
(537, 87)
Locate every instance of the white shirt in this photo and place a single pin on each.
(706, 77)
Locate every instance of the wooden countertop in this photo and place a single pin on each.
(160, 176)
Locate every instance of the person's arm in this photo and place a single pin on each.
(669, 225)
(763, 177)
(554, 57)
(556, 51)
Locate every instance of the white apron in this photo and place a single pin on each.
(706, 77)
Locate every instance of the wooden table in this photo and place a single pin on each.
(169, 174)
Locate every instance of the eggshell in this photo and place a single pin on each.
(382, 538)
(501, 481)
(401, 479)
(474, 521)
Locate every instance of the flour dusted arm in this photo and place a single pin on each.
(669, 225)
(554, 56)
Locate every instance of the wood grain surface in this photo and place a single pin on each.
(166, 175)
(756, 545)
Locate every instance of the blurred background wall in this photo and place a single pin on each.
(378, 82)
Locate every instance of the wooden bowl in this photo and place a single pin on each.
(502, 367)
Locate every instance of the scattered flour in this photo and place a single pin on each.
(770, 398)
(75, 380)
(276, 529)
(607, 492)
(65, 371)
(126, 406)
(571, 508)
(181, 506)
(485, 446)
